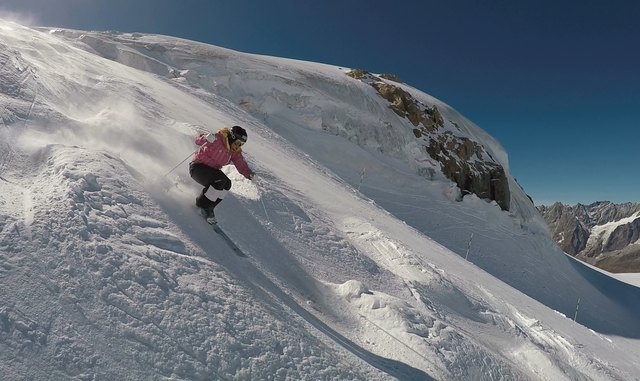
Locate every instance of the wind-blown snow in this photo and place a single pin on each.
(355, 263)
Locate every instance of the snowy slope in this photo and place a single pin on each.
(355, 266)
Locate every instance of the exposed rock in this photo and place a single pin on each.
(359, 74)
(465, 162)
(621, 261)
(404, 105)
(603, 234)
(390, 77)
(462, 159)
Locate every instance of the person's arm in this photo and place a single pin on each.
(204, 138)
(241, 165)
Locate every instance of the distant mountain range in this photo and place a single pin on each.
(603, 234)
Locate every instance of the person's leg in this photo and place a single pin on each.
(216, 185)
(202, 173)
(217, 191)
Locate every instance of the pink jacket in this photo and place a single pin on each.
(220, 153)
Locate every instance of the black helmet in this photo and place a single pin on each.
(238, 133)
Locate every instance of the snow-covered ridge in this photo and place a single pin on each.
(283, 92)
(107, 272)
(316, 99)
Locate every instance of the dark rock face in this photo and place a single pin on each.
(403, 104)
(603, 234)
(462, 160)
(484, 177)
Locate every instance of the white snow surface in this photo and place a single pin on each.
(355, 264)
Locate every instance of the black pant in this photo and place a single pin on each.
(208, 177)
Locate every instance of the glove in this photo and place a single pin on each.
(211, 138)
(253, 178)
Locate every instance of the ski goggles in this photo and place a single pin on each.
(239, 138)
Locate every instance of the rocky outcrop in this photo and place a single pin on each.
(462, 159)
(391, 77)
(466, 163)
(403, 104)
(603, 234)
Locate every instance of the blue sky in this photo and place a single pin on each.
(556, 82)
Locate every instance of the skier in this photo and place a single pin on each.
(216, 151)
